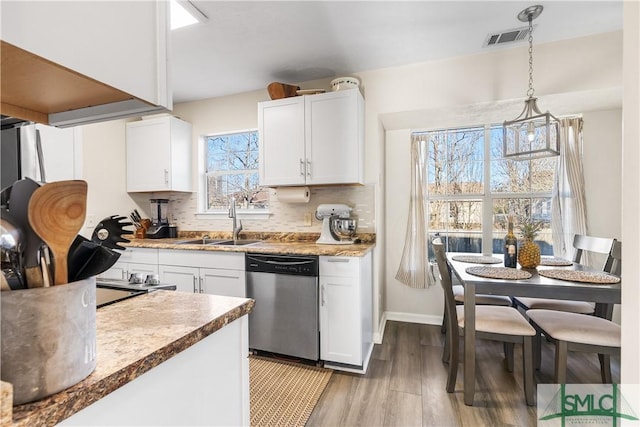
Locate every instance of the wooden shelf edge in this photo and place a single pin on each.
(23, 113)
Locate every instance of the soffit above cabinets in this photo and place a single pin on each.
(33, 87)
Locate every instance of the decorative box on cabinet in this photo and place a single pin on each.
(346, 326)
(312, 139)
(159, 155)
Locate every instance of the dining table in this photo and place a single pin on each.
(537, 286)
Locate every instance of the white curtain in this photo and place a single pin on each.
(568, 202)
(414, 265)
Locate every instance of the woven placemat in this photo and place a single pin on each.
(284, 393)
(595, 277)
(477, 259)
(555, 262)
(498, 272)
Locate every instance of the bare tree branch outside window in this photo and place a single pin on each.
(232, 171)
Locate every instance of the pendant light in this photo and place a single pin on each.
(533, 134)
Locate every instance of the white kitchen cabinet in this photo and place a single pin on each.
(312, 139)
(97, 68)
(346, 328)
(159, 155)
(215, 273)
(133, 260)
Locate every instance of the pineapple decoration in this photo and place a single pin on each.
(529, 252)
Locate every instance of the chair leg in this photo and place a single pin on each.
(447, 349)
(527, 369)
(443, 327)
(537, 351)
(454, 355)
(508, 355)
(560, 375)
(605, 368)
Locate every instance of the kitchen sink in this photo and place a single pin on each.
(200, 242)
(238, 242)
(222, 242)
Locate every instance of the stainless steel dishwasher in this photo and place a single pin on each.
(285, 317)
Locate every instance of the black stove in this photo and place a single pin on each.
(109, 291)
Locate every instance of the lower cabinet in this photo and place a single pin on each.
(133, 260)
(346, 328)
(215, 273)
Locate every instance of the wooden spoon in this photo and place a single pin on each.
(56, 213)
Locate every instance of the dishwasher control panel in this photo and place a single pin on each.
(282, 264)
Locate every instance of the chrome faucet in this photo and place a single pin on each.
(237, 227)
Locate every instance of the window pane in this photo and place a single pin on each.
(459, 222)
(542, 174)
(232, 171)
(437, 162)
(539, 209)
(510, 176)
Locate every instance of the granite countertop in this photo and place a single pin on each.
(270, 243)
(133, 336)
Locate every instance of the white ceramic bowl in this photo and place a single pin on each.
(344, 83)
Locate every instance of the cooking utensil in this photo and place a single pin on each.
(282, 90)
(19, 208)
(109, 232)
(138, 217)
(57, 212)
(11, 243)
(87, 259)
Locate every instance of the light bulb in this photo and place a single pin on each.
(531, 132)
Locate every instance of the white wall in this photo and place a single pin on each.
(630, 369)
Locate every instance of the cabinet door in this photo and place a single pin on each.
(281, 133)
(131, 57)
(340, 339)
(334, 137)
(148, 155)
(117, 272)
(217, 281)
(186, 279)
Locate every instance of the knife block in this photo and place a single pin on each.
(48, 338)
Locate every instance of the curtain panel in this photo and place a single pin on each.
(568, 201)
(414, 265)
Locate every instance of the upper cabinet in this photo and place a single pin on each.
(312, 139)
(105, 60)
(159, 155)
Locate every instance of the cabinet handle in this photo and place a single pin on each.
(166, 176)
(301, 167)
(337, 260)
(322, 295)
(201, 290)
(195, 287)
(308, 167)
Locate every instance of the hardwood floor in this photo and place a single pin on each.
(405, 385)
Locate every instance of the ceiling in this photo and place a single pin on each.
(245, 45)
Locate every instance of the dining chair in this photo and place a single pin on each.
(580, 332)
(498, 323)
(581, 244)
(481, 299)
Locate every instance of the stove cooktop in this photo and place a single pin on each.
(109, 291)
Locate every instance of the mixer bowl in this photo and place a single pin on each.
(344, 228)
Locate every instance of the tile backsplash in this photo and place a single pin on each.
(284, 217)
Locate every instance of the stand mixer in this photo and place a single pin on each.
(338, 227)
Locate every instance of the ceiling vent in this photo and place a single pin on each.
(508, 36)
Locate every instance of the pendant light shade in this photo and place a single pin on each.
(532, 134)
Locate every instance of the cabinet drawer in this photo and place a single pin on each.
(339, 266)
(202, 259)
(139, 255)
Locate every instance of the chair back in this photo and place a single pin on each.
(614, 261)
(445, 282)
(596, 245)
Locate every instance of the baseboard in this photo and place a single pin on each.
(425, 319)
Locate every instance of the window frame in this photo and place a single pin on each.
(202, 195)
(487, 197)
